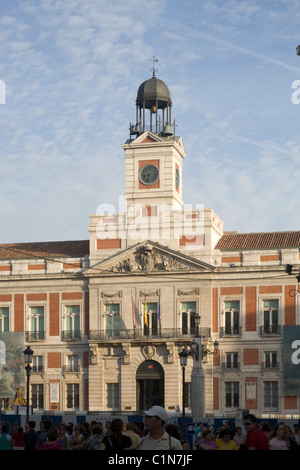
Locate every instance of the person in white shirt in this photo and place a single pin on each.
(157, 438)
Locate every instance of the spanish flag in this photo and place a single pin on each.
(146, 314)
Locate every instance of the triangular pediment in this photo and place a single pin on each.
(148, 136)
(148, 257)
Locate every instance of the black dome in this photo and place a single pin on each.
(153, 91)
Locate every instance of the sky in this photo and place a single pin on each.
(69, 75)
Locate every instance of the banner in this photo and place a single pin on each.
(12, 372)
(291, 356)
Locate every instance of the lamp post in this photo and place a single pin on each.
(28, 353)
(183, 355)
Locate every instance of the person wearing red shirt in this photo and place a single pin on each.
(256, 439)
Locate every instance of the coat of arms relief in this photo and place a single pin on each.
(148, 258)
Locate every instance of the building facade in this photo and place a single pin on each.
(107, 317)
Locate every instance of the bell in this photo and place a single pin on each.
(167, 131)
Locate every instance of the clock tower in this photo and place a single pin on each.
(153, 153)
(154, 208)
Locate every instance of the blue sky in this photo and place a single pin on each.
(71, 71)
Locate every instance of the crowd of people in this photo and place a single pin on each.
(114, 436)
(157, 434)
(255, 437)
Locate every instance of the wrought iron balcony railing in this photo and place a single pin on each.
(71, 335)
(230, 331)
(73, 368)
(270, 365)
(34, 336)
(148, 333)
(266, 330)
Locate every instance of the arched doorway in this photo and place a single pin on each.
(149, 385)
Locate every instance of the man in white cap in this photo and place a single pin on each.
(157, 438)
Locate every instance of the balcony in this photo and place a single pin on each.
(235, 366)
(148, 333)
(38, 369)
(71, 368)
(230, 331)
(269, 330)
(270, 365)
(71, 335)
(34, 336)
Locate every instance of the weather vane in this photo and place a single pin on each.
(153, 68)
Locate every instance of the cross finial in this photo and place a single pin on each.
(153, 68)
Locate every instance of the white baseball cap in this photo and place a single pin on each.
(157, 411)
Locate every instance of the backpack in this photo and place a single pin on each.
(92, 443)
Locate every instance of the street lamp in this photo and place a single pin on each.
(28, 353)
(298, 50)
(183, 355)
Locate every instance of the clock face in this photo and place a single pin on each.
(177, 178)
(148, 174)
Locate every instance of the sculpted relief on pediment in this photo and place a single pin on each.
(150, 259)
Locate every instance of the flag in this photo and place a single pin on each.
(146, 315)
(133, 319)
(159, 317)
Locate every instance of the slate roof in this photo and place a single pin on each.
(265, 240)
(69, 249)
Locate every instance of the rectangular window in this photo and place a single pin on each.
(73, 396)
(232, 360)
(270, 317)
(271, 360)
(72, 363)
(150, 318)
(113, 396)
(232, 317)
(37, 396)
(37, 322)
(4, 319)
(271, 395)
(232, 397)
(72, 321)
(37, 363)
(188, 312)
(112, 319)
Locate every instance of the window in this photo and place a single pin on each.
(188, 312)
(112, 396)
(271, 360)
(271, 395)
(36, 323)
(37, 363)
(232, 398)
(270, 317)
(37, 396)
(150, 318)
(232, 318)
(72, 322)
(73, 396)
(72, 364)
(232, 360)
(4, 319)
(112, 319)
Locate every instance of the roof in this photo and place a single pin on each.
(152, 90)
(70, 249)
(250, 241)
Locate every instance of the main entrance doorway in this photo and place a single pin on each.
(149, 385)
